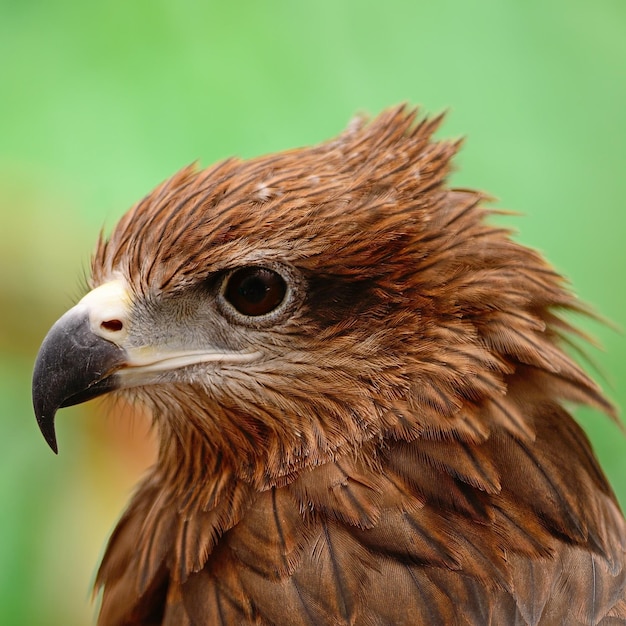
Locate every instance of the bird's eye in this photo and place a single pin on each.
(255, 291)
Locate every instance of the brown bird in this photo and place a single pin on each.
(358, 388)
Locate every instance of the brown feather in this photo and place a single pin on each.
(401, 455)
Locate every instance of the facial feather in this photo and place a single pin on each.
(404, 286)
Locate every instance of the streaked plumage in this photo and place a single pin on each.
(388, 445)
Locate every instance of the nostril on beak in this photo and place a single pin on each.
(112, 325)
(108, 310)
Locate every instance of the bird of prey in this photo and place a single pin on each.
(359, 390)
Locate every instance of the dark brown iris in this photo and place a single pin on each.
(255, 291)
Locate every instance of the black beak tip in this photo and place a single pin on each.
(45, 421)
(46, 426)
(44, 405)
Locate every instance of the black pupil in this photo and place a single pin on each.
(255, 290)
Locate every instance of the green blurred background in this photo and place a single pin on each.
(99, 101)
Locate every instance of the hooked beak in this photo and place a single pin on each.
(89, 352)
(77, 362)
